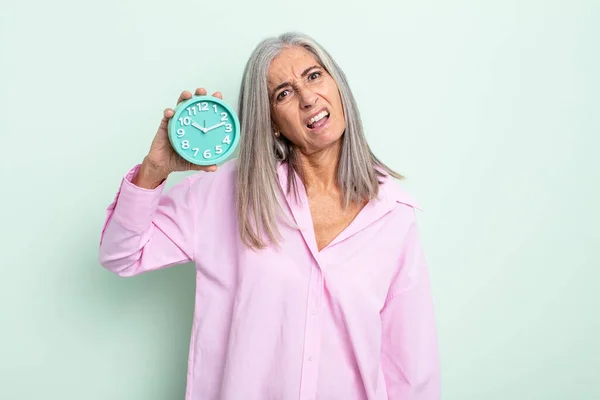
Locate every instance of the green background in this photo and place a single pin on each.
(490, 109)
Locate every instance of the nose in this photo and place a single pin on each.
(308, 98)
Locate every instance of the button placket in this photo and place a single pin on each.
(312, 336)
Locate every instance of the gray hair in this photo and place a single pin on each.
(260, 151)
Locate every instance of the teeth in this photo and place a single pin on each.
(317, 117)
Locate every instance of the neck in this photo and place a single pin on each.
(319, 170)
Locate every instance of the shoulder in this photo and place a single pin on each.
(395, 192)
(404, 206)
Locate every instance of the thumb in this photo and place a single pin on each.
(207, 168)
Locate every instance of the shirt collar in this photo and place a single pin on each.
(389, 190)
(390, 194)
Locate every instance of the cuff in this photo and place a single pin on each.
(135, 206)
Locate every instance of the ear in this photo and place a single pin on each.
(274, 127)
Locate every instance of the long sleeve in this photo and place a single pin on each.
(410, 357)
(147, 229)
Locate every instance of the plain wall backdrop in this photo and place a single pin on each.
(490, 109)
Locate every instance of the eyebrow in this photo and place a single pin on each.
(284, 84)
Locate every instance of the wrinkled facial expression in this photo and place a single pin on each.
(306, 106)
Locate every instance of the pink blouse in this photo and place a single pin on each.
(352, 321)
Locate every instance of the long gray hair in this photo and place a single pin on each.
(260, 151)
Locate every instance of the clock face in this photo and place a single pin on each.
(204, 130)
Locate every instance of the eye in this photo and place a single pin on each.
(282, 94)
(314, 75)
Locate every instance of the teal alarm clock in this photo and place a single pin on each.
(204, 130)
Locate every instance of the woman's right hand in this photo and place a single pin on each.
(162, 159)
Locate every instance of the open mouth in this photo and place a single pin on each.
(318, 120)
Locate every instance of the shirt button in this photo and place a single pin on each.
(314, 311)
(310, 358)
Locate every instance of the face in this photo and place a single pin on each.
(306, 106)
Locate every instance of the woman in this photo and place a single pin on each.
(311, 281)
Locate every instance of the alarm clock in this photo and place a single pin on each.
(204, 130)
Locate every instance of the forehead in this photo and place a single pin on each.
(289, 64)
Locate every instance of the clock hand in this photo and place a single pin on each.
(215, 126)
(196, 125)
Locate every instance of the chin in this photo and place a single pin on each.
(329, 140)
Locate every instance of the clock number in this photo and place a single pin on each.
(185, 144)
(228, 128)
(185, 121)
(180, 132)
(204, 107)
(215, 107)
(190, 109)
(223, 116)
(227, 140)
(218, 149)
(207, 154)
(196, 150)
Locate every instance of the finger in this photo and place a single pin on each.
(218, 95)
(167, 114)
(200, 92)
(184, 96)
